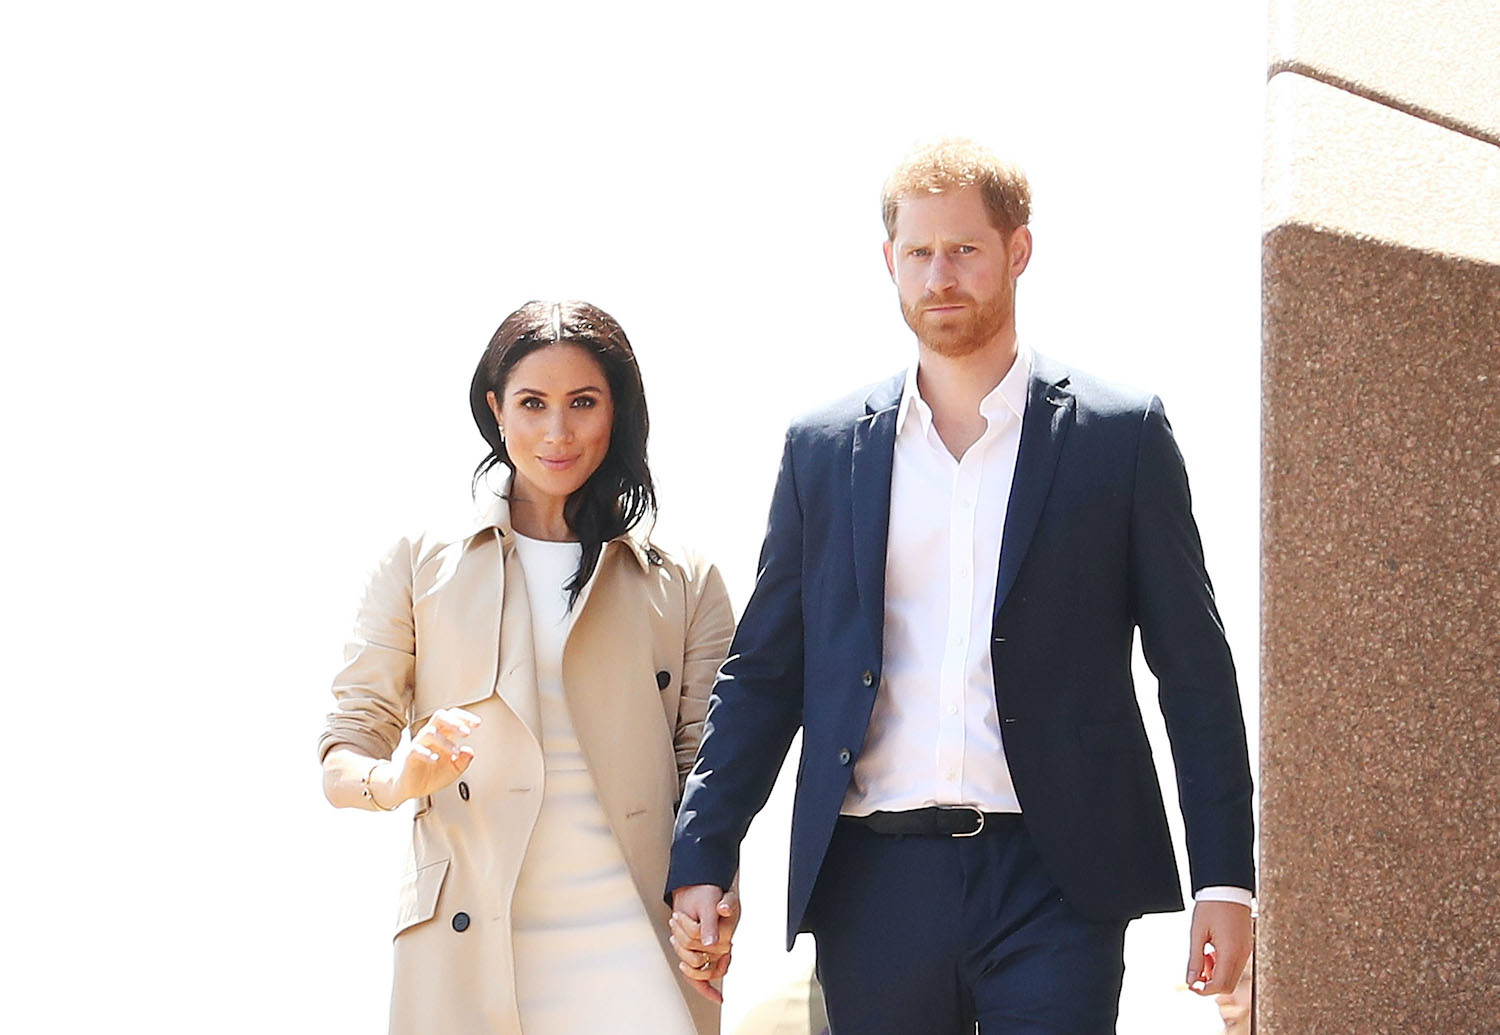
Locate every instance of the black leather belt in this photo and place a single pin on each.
(938, 820)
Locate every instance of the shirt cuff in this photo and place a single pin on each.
(1224, 893)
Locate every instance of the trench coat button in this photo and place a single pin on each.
(867, 678)
(460, 922)
(844, 756)
(663, 679)
(653, 556)
(463, 790)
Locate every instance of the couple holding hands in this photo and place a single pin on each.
(955, 566)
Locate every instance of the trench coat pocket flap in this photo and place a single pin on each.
(419, 894)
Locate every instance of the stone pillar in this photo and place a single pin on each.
(1380, 738)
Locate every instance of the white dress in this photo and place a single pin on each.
(586, 957)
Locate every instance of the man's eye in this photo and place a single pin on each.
(964, 249)
(919, 253)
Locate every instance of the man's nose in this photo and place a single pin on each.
(940, 273)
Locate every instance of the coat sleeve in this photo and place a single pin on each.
(373, 692)
(709, 628)
(755, 709)
(1182, 637)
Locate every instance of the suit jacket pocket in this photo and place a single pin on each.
(418, 897)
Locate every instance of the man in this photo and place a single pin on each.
(954, 569)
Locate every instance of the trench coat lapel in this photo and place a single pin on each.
(517, 683)
(515, 677)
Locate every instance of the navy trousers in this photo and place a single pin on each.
(920, 935)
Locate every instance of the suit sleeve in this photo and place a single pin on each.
(373, 691)
(710, 626)
(1182, 637)
(756, 706)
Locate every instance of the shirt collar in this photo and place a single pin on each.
(1007, 396)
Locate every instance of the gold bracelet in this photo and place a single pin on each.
(369, 796)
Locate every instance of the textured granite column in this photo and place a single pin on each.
(1380, 739)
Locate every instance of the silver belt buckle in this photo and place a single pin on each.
(974, 809)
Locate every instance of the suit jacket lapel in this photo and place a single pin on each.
(870, 499)
(1049, 415)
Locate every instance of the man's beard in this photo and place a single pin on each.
(959, 334)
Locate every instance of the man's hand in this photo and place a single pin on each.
(703, 921)
(1219, 946)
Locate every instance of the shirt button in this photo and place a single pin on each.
(460, 922)
(953, 709)
(949, 774)
(844, 756)
(867, 678)
(463, 790)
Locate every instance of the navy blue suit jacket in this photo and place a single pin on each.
(1099, 540)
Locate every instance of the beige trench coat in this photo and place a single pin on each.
(444, 623)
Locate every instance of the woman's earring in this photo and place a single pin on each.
(501, 428)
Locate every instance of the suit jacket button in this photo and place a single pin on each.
(463, 790)
(460, 922)
(663, 679)
(844, 756)
(867, 678)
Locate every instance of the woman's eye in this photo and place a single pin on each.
(584, 401)
(531, 403)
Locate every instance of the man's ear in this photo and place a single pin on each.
(1019, 250)
(890, 260)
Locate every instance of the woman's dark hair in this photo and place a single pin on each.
(620, 493)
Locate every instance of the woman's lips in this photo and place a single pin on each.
(558, 463)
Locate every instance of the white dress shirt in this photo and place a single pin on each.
(934, 732)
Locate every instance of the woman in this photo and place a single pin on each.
(553, 668)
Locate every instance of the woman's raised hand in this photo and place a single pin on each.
(435, 757)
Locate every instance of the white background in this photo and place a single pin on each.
(251, 255)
